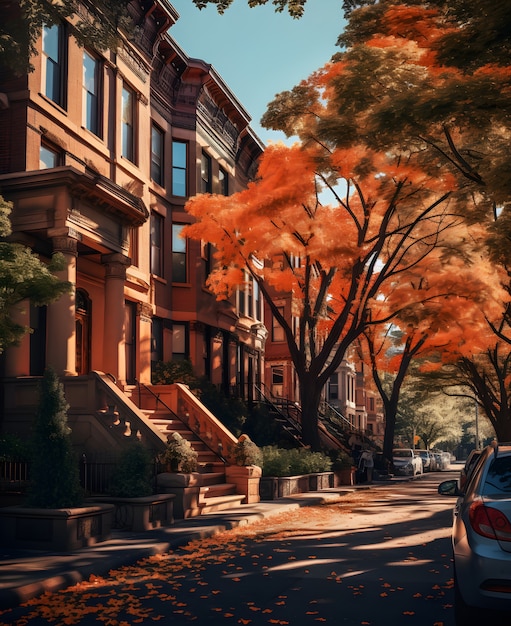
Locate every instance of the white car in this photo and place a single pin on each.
(406, 462)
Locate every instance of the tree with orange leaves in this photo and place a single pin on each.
(400, 85)
(386, 220)
(427, 81)
(449, 325)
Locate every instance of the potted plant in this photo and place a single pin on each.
(344, 468)
(245, 452)
(54, 517)
(137, 508)
(181, 478)
(179, 456)
(246, 472)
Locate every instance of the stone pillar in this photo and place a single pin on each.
(17, 362)
(114, 349)
(61, 338)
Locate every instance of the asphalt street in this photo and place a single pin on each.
(377, 557)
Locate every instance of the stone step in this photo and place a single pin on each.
(212, 467)
(220, 503)
(216, 490)
(212, 478)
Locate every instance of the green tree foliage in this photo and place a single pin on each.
(425, 411)
(54, 470)
(94, 24)
(295, 8)
(23, 276)
(396, 87)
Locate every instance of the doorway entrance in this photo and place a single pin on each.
(82, 331)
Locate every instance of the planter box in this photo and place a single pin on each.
(55, 530)
(247, 479)
(321, 480)
(141, 514)
(344, 476)
(273, 487)
(186, 488)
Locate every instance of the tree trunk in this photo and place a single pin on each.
(310, 393)
(503, 428)
(390, 407)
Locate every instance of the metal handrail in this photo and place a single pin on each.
(276, 404)
(338, 414)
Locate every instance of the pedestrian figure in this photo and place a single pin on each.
(366, 464)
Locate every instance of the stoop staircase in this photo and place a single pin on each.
(215, 493)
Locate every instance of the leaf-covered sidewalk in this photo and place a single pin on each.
(301, 567)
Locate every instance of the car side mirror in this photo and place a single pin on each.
(449, 488)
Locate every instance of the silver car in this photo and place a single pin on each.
(406, 462)
(481, 538)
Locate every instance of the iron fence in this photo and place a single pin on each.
(96, 475)
(14, 476)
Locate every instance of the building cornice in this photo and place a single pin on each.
(94, 187)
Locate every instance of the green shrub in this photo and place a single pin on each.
(132, 475)
(55, 479)
(12, 448)
(296, 461)
(246, 452)
(232, 412)
(275, 461)
(174, 372)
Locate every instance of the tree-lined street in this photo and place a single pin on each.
(379, 556)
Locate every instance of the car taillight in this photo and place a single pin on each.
(489, 522)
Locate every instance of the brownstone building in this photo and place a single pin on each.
(99, 152)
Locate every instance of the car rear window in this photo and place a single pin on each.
(498, 478)
(402, 453)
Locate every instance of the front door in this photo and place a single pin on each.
(130, 329)
(82, 331)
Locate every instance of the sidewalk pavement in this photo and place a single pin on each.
(25, 574)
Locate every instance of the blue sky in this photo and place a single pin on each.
(258, 52)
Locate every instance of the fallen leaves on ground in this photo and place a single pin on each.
(174, 584)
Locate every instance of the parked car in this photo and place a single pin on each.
(468, 467)
(438, 461)
(446, 460)
(481, 538)
(406, 463)
(427, 463)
